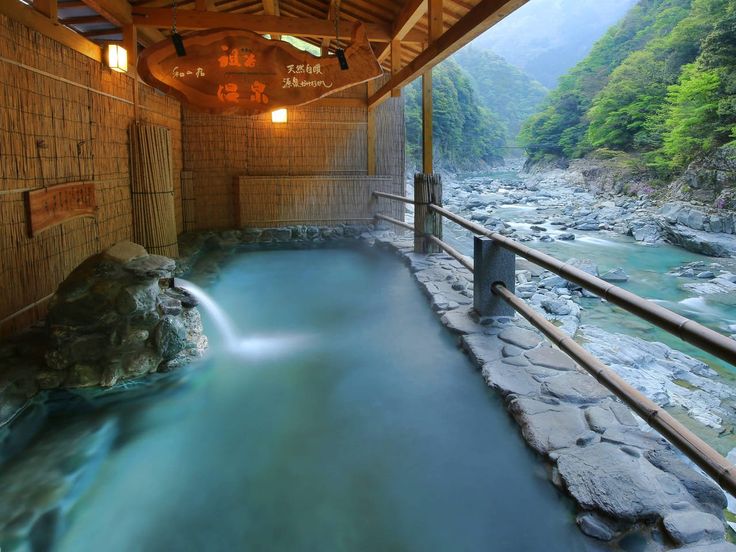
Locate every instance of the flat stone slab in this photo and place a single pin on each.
(602, 477)
(690, 526)
(548, 427)
(520, 337)
(633, 436)
(483, 348)
(722, 546)
(550, 358)
(124, 251)
(575, 387)
(510, 379)
(461, 322)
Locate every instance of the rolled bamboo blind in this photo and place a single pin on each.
(152, 189)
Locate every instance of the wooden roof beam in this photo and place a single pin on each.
(261, 24)
(409, 16)
(478, 20)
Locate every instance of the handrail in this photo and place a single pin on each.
(715, 465)
(395, 197)
(395, 221)
(684, 328)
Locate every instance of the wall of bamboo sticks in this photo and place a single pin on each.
(316, 140)
(267, 201)
(64, 118)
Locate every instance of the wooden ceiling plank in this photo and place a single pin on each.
(478, 20)
(262, 24)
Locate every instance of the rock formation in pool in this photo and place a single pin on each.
(116, 318)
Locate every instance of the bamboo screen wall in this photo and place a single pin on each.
(319, 140)
(54, 131)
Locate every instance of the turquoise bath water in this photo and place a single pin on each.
(348, 420)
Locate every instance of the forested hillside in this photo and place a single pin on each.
(479, 104)
(464, 132)
(507, 91)
(660, 85)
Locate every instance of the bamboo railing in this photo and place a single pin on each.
(702, 454)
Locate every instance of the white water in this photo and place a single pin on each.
(253, 347)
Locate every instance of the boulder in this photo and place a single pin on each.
(116, 317)
(615, 275)
(690, 526)
(604, 478)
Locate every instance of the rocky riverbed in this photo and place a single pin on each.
(622, 239)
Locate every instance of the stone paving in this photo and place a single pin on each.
(623, 477)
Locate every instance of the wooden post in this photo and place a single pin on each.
(492, 264)
(436, 28)
(371, 138)
(427, 189)
(395, 65)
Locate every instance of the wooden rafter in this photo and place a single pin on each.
(330, 17)
(262, 24)
(476, 21)
(409, 16)
(271, 7)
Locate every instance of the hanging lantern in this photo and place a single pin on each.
(117, 58)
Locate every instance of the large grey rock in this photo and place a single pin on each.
(615, 275)
(596, 526)
(483, 348)
(722, 546)
(691, 526)
(114, 319)
(604, 478)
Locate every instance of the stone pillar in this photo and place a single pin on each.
(493, 264)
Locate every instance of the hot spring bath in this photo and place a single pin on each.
(347, 419)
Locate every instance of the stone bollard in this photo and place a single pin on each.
(493, 264)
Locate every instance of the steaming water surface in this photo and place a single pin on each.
(363, 429)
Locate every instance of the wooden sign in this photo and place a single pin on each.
(240, 72)
(48, 207)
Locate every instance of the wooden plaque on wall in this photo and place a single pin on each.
(48, 207)
(240, 72)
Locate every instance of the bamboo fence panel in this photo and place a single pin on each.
(282, 201)
(152, 187)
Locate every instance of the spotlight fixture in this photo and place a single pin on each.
(279, 116)
(341, 59)
(178, 44)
